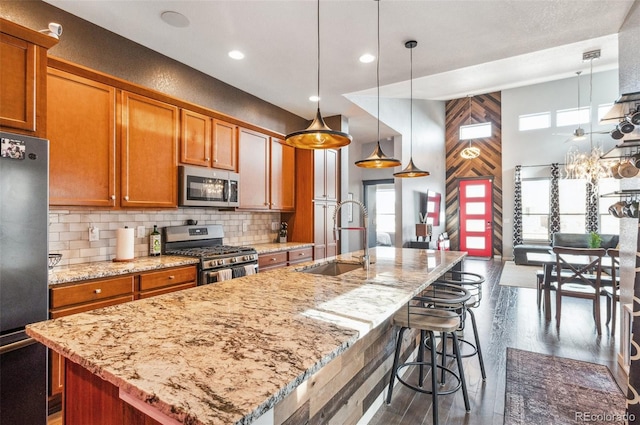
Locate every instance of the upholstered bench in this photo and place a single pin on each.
(520, 254)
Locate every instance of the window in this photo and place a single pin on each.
(385, 209)
(573, 116)
(475, 131)
(573, 205)
(534, 121)
(535, 209)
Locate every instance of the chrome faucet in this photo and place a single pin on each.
(364, 260)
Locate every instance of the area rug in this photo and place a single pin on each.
(521, 276)
(543, 389)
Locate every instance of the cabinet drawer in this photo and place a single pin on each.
(166, 290)
(91, 291)
(275, 259)
(170, 277)
(300, 255)
(60, 312)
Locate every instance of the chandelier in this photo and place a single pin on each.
(587, 166)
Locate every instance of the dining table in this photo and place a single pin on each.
(548, 261)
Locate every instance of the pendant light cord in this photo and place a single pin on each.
(318, 16)
(411, 104)
(590, 99)
(378, 71)
(579, 72)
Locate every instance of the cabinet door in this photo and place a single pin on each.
(17, 83)
(331, 174)
(330, 241)
(81, 129)
(148, 153)
(253, 169)
(195, 138)
(319, 230)
(282, 176)
(225, 141)
(319, 188)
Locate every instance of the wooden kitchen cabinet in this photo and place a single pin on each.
(225, 145)
(272, 260)
(165, 281)
(267, 171)
(149, 139)
(325, 245)
(23, 79)
(195, 138)
(282, 165)
(325, 174)
(81, 128)
(299, 255)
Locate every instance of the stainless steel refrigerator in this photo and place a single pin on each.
(24, 219)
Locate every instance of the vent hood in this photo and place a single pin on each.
(621, 107)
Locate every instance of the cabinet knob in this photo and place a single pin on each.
(215, 160)
(113, 196)
(207, 159)
(273, 259)
(301, 254)
(126, 198)
(171, 277)
(98, 291)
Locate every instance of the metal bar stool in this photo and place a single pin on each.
(473, 283)
(438, 309)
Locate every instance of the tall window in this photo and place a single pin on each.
(573, 205)
(385, 208)
(535, 209)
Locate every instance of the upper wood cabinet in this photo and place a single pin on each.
(325, 174)
(23, 73)
(81, 127)
(253, 166)
(207, 142)
(149, 144)
(267, 172)
(195, 138)
(282, 165)
(225, 145)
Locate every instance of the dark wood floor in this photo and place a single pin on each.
(507, 317)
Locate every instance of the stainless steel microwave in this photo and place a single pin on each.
(208, 187)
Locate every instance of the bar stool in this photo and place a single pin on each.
(473, 283)
(438, 309)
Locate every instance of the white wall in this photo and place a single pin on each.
(540, 147)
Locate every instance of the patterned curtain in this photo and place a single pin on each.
(554, 202)
(591, 222)
(517, 209)
(633, 396)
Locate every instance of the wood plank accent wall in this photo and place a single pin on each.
(485, 107)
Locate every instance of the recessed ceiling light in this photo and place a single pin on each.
(367, 58)
(236, 54)
(314, 98)
(175, 19)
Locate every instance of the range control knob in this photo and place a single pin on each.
(233, 259)
(220, 262)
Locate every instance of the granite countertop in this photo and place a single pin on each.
(84, 271)
(228, 352)
(265, 248)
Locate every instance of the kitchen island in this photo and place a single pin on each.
(254, 348)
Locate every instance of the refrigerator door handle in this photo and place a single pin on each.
(17, 345)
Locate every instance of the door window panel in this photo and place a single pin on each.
(475, 208)
(475, 225)
(474, 242)
(475, 191)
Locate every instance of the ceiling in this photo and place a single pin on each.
(464, 47)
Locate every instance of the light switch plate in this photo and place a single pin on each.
(245, 226)
(274, 225)
(94, 234)
(140, 232)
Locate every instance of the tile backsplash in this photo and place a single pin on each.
(69, 229)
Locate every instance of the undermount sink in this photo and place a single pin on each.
(333, 269)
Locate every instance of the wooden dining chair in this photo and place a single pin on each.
(613, 292)
(578, 274)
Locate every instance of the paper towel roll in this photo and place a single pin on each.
(124, 244)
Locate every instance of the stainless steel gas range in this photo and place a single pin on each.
(217, 261)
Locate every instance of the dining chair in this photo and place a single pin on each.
(613, 292)
(578, 274)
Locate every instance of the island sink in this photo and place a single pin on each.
(335, 268)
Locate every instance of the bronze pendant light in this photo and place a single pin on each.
(318, 135)
(378, 159)
(411, 170)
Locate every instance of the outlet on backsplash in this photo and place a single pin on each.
(94, 234)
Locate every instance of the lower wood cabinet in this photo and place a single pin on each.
(300, 255)
(90, 295)
(272, 260)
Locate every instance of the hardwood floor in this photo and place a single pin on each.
(507, 317)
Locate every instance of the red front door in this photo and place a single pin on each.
(476, 222)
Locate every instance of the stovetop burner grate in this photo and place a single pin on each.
(211, 251)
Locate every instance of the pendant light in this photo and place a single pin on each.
(470, 152)
(378, 159)
(411, 170)
(318, 135)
